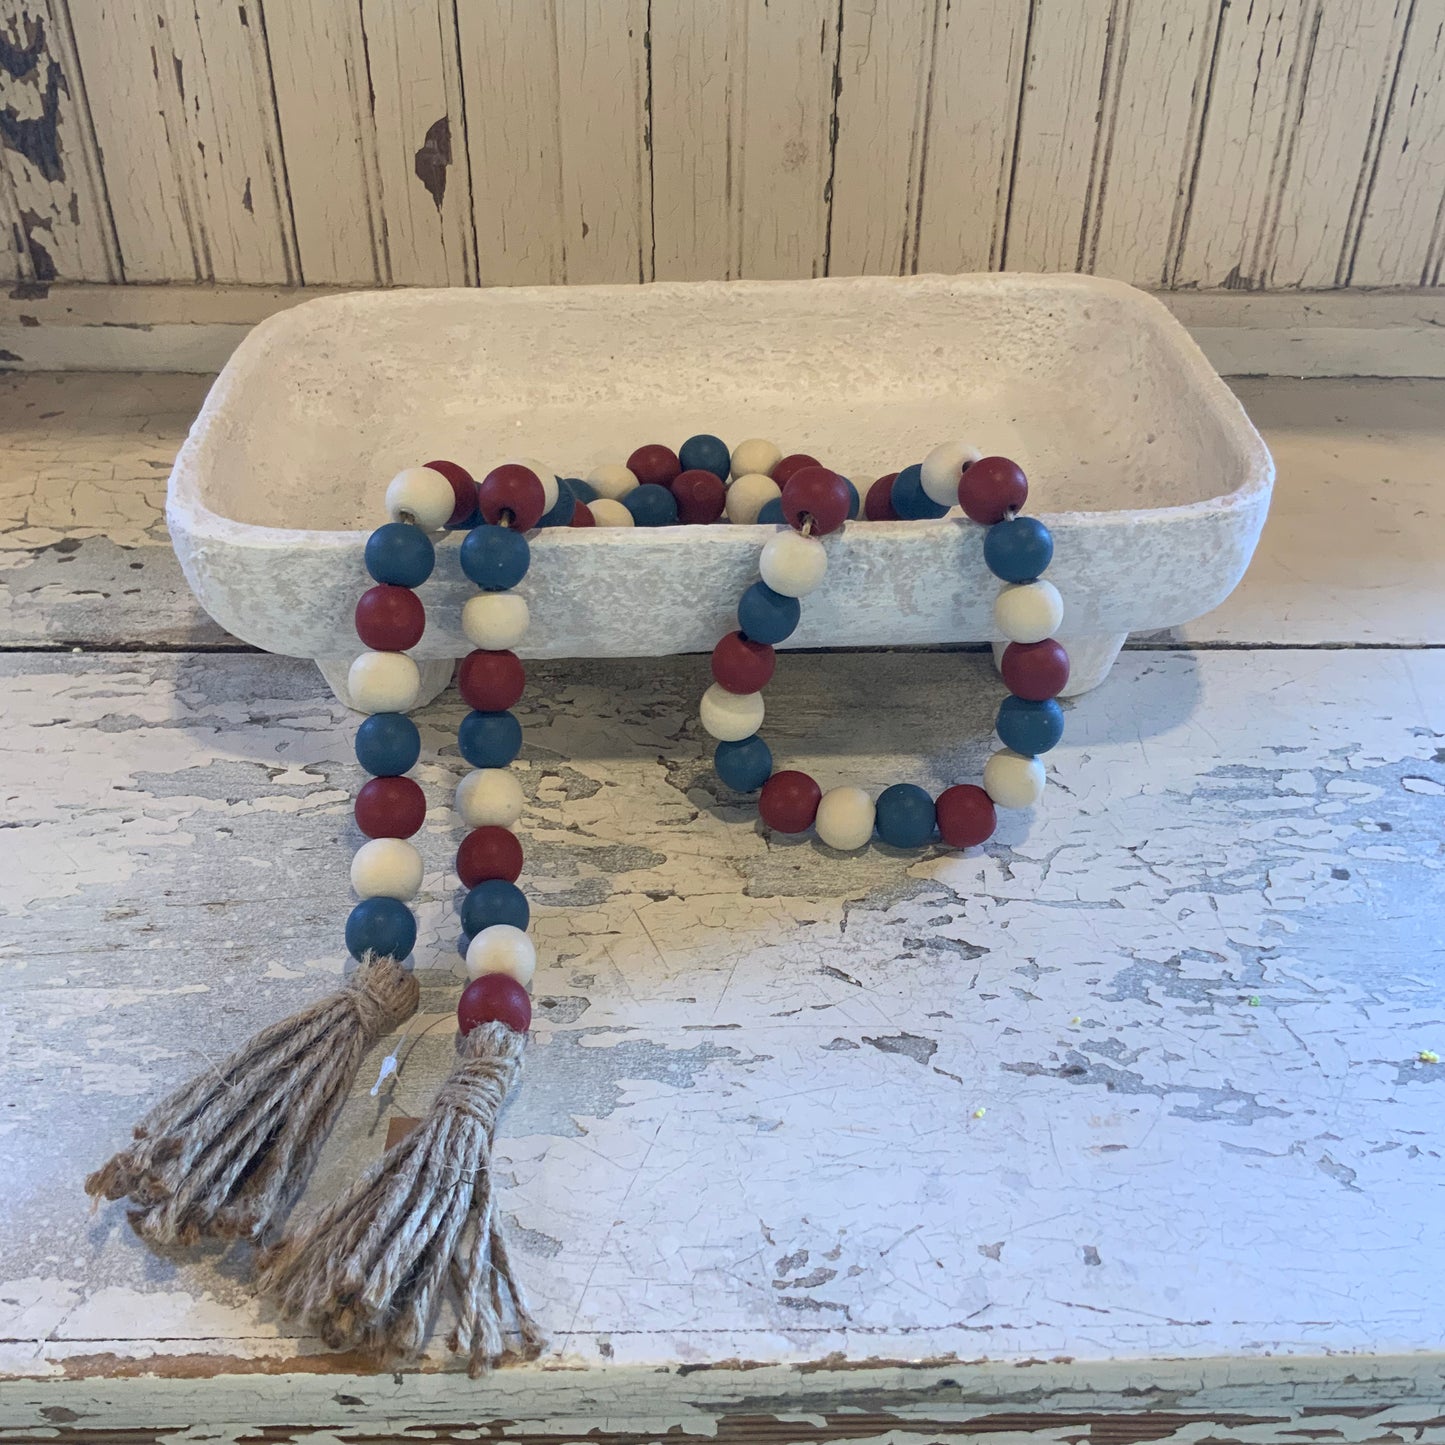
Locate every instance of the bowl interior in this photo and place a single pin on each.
(1092, 387)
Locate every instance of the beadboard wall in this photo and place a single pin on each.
(1250, 144)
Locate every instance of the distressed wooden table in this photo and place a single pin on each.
(1125, 1128)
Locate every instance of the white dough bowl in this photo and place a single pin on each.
(1139, 459)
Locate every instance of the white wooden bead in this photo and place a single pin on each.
(845, 818)
(496, 621)
(731, 716)
(748, 495)
(383, 682)
(501, 948)
(755, 456)
(1028, 611)
(1012, 780)
(420, 495)
(942, 468)
(489, 796)
(608, 512)
(386, 868)
(612, 480)
(793, 564)
(548, 478)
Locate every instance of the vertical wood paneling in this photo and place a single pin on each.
(421, 141)
(886, 62)
(786, 146)
(1152, 117)
(508, 51)
(602, 116)
(323, 93)
(970, 116)
(1068, 68)
(1400, 240)
(697, 89)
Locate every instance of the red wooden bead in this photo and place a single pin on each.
(390, 808)
(992, 487)
(494, 998)
(1035, 670)
(791, 464)
(487, 853)
(789, 802)
(491, 681)
(513, 492)
(390, 619)
(878, 505)
(741, 665)
(464, 489)
(655, 464)
(701, 497)
(820, 494)
(581, 516)
(966, 816)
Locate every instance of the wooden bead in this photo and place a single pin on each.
(400, 554)
(502, 948)
(651, 505)
(390, 619)
(655, 464)
(792, 564)
(547, 475)
(747, 495)
(386, 868)
(489, 852)
(755, 457)
(815, 494)
(878, 505)
(845, 818)
(609, 513)
(491, 681)
(582, 516)
(909, 499)
(494, 998)
(707, 453)
(1028, 611)
(513, 494)
(383, 682)
(422, 496)
(464, 491)
(943, 469)
(495, 620)
(489, 798)
(966, 816)
(495, 558)
(493, 902)
(731, 716)
(701, 497)
(384, 927)
(991, 488)
(790, 464)
(789, 802)
(1012, 780)
(1035, 670)
(1016, 551)
(741, 665)
(612, 480)
(390, 808)
(906, 815)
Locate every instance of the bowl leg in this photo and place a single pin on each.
(1090, 659)
(436, 676)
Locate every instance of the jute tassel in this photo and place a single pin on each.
(226, 1155)
(368, 1271)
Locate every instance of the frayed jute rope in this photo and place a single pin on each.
(369, 1270)
(226, 1155)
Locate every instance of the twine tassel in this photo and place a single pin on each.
(368, 1270)
(226, 1155)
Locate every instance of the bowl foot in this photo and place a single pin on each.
(1090, 659)
(436, 675)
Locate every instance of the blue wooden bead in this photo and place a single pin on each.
(767, 616)
(561, 513)
(400, 554)
(495, 558)
(583, 491)
(1028, 727)
(855, 507)
(905, 816)
(909, 498)
(772, 511)
(489, 739)
(1018, 551)
(383, 926)
(651, 505)
(494, 901)
(744, 766)
(388, 744)
(706, 453)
